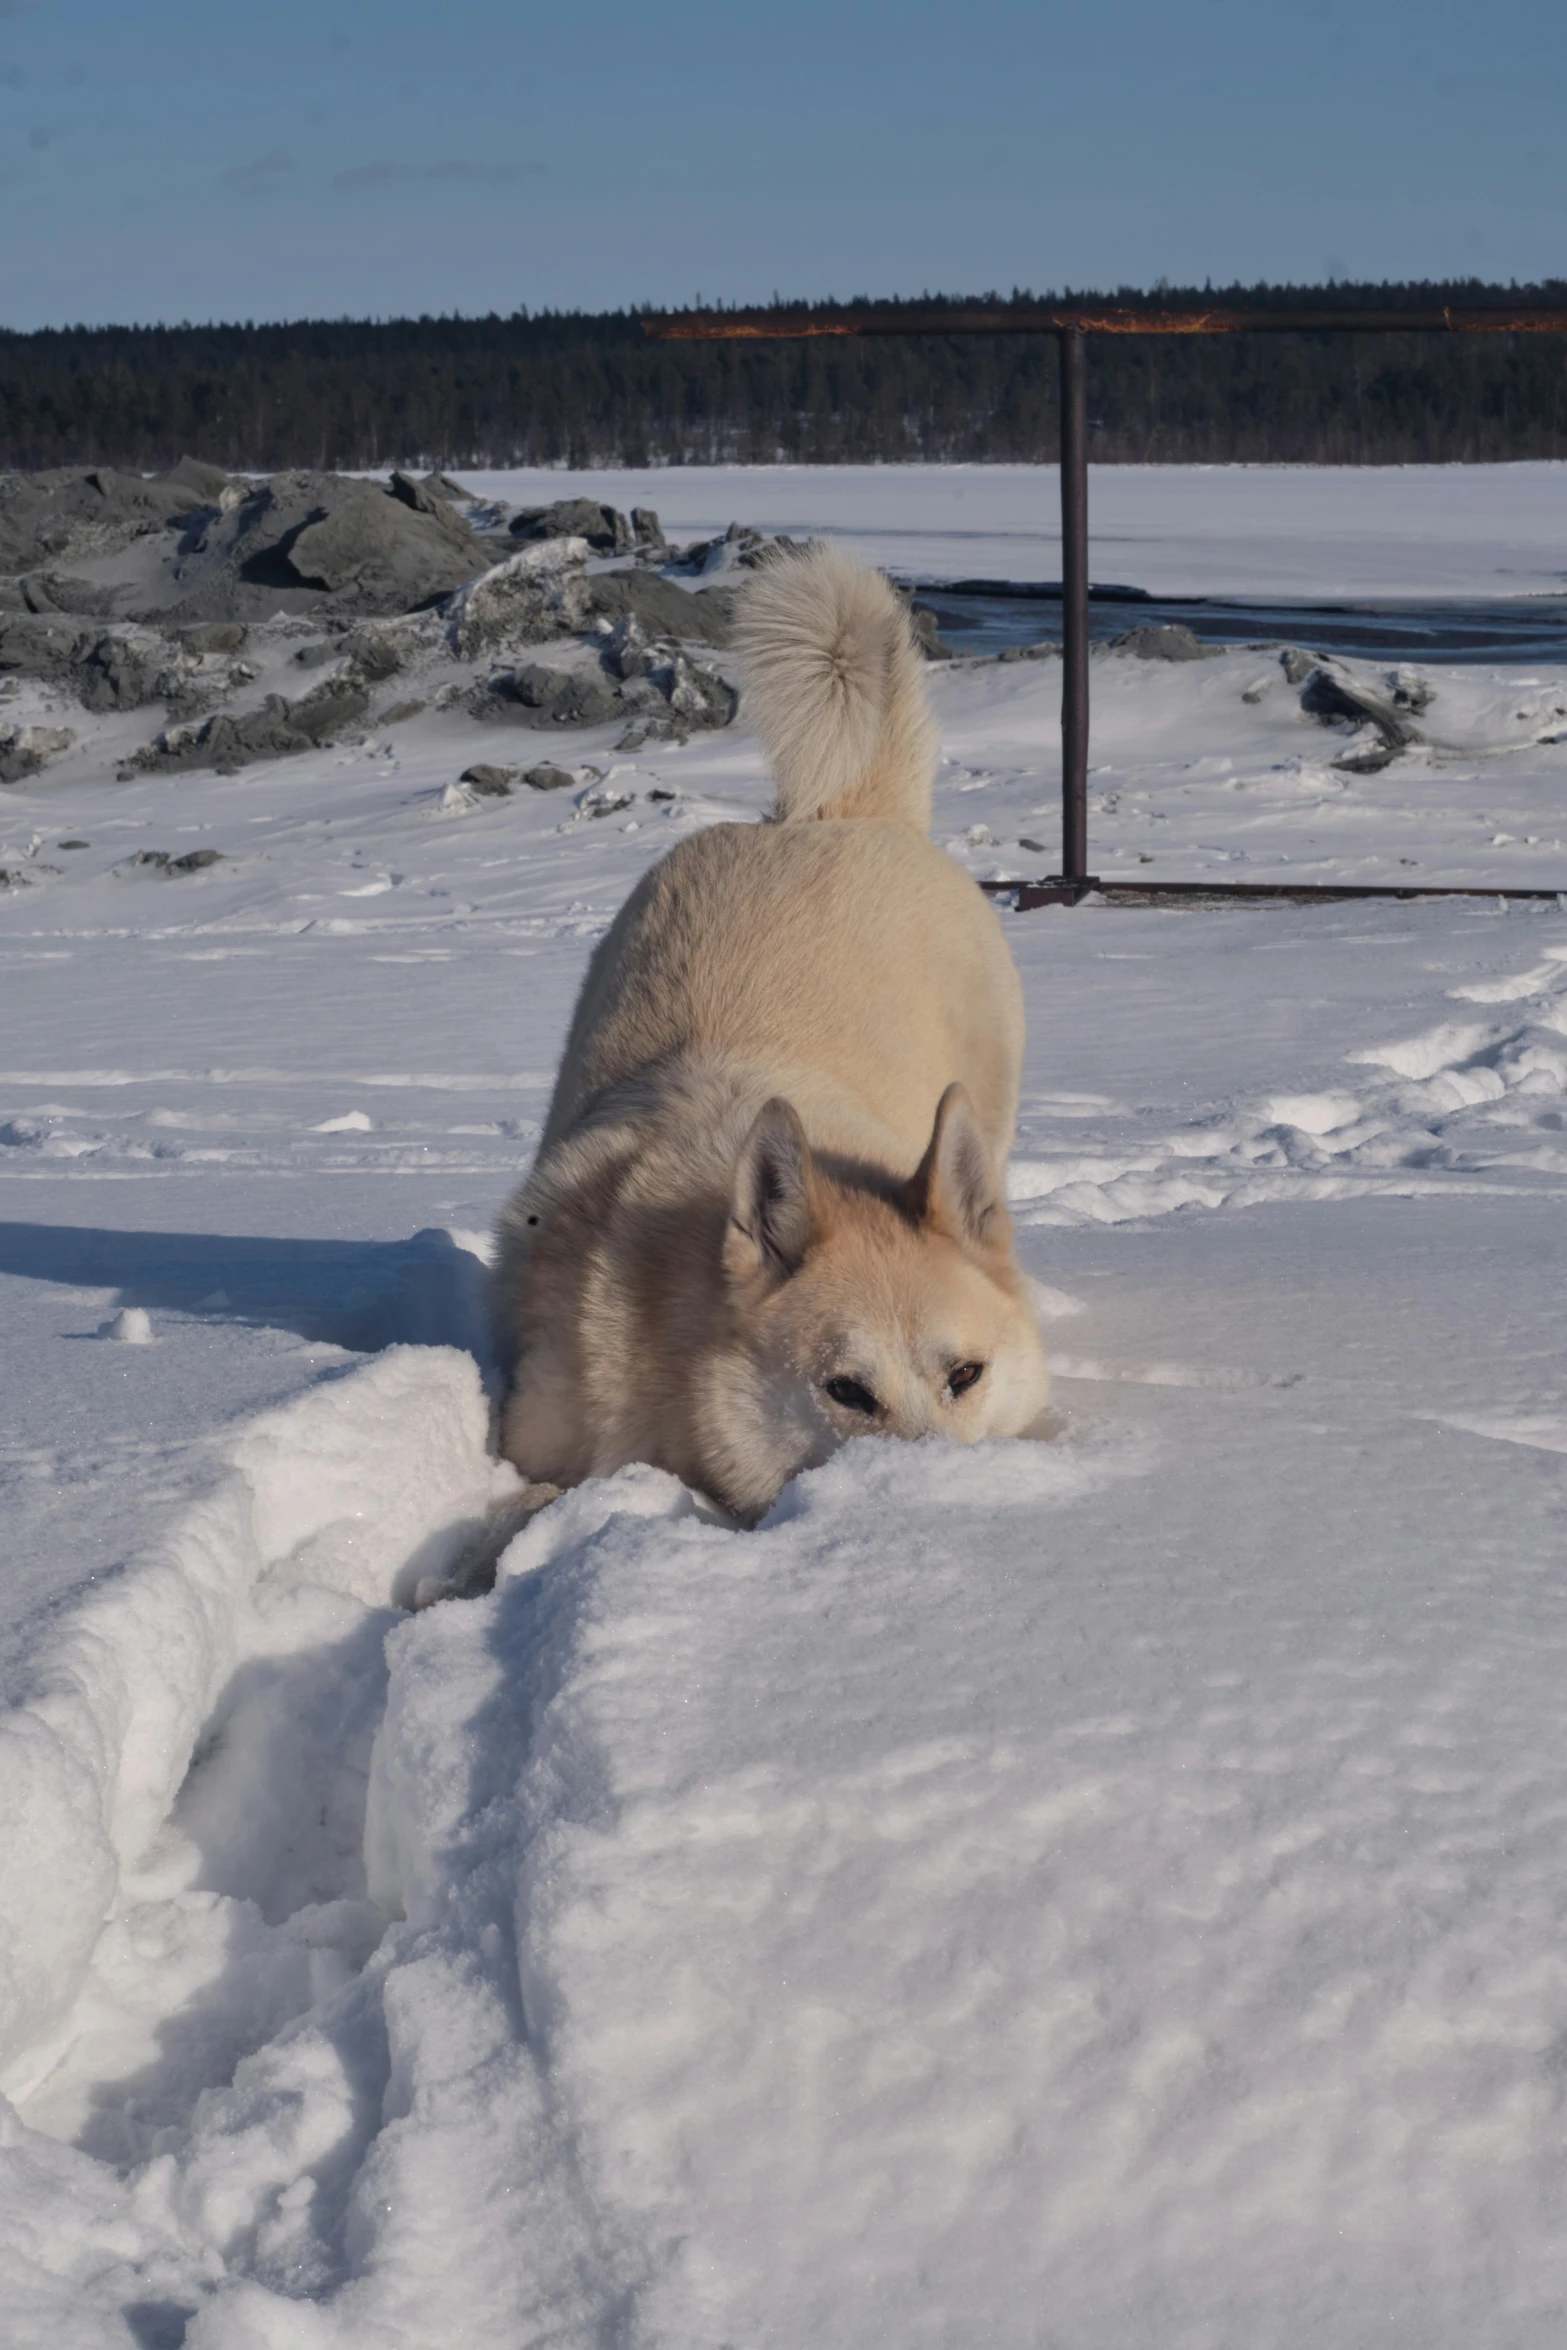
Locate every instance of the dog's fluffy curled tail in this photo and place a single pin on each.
(835, 688)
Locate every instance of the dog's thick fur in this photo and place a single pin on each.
(767, 1210)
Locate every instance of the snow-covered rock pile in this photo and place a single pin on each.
(188, 592)
(24, 750)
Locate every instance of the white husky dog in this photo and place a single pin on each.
(767, 1213)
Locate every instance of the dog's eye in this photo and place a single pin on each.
(852, 1396)
(966, 1375)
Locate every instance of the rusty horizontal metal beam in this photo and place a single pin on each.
(1064, 890)
(779, 326)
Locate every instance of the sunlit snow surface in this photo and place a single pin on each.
(1104, 1891)
(1302, 531)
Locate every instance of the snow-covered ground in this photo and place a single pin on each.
(1109, 1890)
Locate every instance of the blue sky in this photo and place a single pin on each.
(166, 160)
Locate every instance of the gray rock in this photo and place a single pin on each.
(1296, 664)
(625, 651)
(104, 670)
(318, 542)
(118, 674)
(24, 750)
(162, 861)
(53, 591)
(391, 556)
(214, 636)
(1336, 696)
(545, 696)
(547, 778)
(698, 694)
(1170, 642)
(676, 699)
(417, 494)
(604, 799)
(662, 607)
(648, 531)
(1367, 758)
(927, 635)
(77, 511)
(381, 648)
(1408, 690)
(539, 593)
(490, 783)
(206, 482)
(376, 653)
(50, 648)
(607, 531)
(740, 549)
(228, 741)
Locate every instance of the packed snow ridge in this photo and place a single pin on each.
(1110, 1888)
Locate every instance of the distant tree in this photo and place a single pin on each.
(574, 389)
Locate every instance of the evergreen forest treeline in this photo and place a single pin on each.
(574, 389)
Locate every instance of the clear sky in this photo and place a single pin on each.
(200, 159)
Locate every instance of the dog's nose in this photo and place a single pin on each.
(918, 1417)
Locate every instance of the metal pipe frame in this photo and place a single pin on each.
(1074, 611)
(1072, 324)
(776, 326)
(1057, 891)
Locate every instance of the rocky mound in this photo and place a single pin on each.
(606, 530)
(194, 545)
(67, 515)
(194, 591)
(314, 541)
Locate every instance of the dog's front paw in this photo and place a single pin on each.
(472, 1572)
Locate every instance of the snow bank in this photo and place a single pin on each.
(1465, 1099)
(933, 1907)
(786, 1944)
(390, 2051)
(328, 1495)
(612, 1869)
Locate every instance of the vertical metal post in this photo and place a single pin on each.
(1074, 610)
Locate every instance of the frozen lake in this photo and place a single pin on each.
(1294, 534)
(1518, 631)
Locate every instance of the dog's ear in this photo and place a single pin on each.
(772, 1213)
(954, 1188)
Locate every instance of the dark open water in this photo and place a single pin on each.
(987, 616)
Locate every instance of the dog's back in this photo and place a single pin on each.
(832, 965)
(853, 959)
